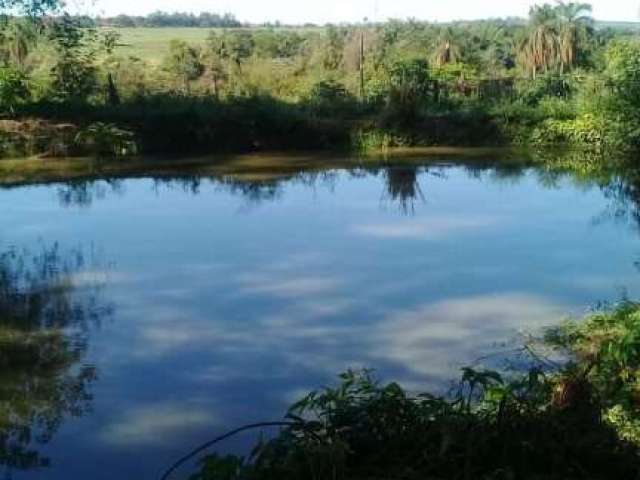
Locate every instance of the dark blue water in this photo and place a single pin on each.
(212, 303)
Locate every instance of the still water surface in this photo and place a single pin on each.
(188, 306)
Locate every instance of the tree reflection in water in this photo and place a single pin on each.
(45, 318)
(619, 181)
(83, 193)
(624, 195)
(403, 187)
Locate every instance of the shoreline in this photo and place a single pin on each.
(252, 166)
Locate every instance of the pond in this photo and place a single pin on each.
(143, 316)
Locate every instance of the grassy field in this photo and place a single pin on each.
(152, 44)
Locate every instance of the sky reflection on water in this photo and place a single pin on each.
(229, 299)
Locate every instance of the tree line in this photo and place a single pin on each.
(161, 19)
(554, 78)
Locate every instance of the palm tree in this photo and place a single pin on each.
(403, 187)
(540, 48)
(575, 19)
(494, 45)
(448, 48)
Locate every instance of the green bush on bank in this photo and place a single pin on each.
(580, 421)
(606, 349)
(14, 89)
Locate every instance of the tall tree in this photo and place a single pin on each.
(74, 73)
(448, 48)
(216, 61)
(17, 41)
(333, 57)
(184, 62)
(539, 49)
(575, 21)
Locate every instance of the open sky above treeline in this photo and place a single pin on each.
(324, 11)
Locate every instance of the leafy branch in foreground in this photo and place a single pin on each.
(606, 350)
(579, 421)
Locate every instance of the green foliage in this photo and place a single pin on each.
(557, 108)
(220, 468)
(584, 90)
(165, 20)
(623, 71)
(74, 73)
(377, 140)
(448, 48)
(409, 87)
(551, 85)
(110, 40)
(556, 38)
(32, 8)
(104, 139)
(329, 96)
(605, 348)
(490, 428)
(234, 46)
(333, 51)
(13, 89)
(275, 44)
(608, 105)
(184, 63)
(17, 40)
(585, 130)
(577, 421)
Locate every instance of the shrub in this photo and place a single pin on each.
(74, 73)
(588, 130)
(491, 429)
(585, 130)
(329, 97)
(13, 89)
(375, 140)
(623, 70)
(557, 108)
(106, 139)
(532, 92)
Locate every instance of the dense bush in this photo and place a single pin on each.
(576, 421)
(329, 97)
(14, 89)
(74, 74)
(545, 86)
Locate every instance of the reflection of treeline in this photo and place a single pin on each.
(44, 325)
(403, 178)
(402, 185)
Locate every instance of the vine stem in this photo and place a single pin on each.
(227, 435)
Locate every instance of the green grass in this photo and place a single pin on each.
(152, 44)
